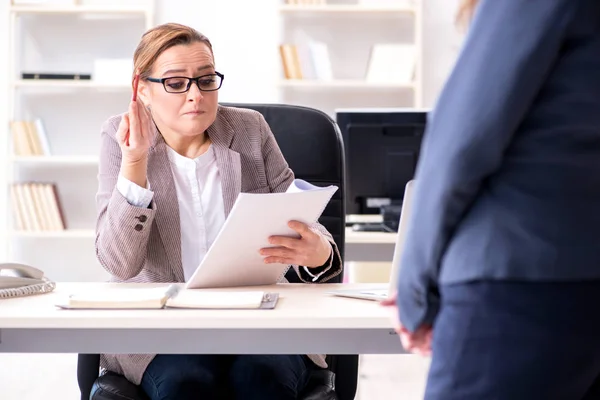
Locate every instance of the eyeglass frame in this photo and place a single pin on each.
(190, 81)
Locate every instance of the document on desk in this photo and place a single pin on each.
(234, 258)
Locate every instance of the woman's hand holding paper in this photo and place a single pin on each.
(310, 250)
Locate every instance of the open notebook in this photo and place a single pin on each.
(173, 296)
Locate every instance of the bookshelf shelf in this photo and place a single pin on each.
(348, 84)
(78, 9)
(64, 234)
(345, 9)
(55, 160)
(68, 84)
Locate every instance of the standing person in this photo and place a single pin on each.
(502, 257)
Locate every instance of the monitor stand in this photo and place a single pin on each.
(370, 227)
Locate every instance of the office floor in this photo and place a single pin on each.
(53, 377)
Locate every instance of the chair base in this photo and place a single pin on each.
(111, 386)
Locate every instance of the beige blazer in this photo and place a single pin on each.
(143, 244)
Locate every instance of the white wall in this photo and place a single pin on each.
(248, 58)
(441, 43)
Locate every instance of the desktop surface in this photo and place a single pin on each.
(305, 321)
(300, 306)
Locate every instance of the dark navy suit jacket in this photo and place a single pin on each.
(508, 182)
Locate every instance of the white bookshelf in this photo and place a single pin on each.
(66, 84)
(335, 24)
(64, 38)
(346, 9)
(118, 10)
(342, 84)
(55, 160)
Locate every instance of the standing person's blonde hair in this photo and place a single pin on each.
(466, 11)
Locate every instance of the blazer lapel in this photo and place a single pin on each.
(167, 219)
(228, 161)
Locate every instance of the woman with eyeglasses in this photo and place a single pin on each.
(500, 274)
(171, 168)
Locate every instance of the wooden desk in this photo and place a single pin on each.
(305, 321)
(369, 246)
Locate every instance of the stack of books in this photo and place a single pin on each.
(29, 138)
(36, 207)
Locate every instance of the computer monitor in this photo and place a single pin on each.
(381, 149)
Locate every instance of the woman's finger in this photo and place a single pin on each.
(281, 252)
(389, 302)
(144, 118)
(123, 130)
(280, 260)
(283, 241)
(303, 230)
(134, 124)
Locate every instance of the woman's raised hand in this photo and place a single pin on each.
(135, 130)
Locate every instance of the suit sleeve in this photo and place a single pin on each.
(122, 229)
(511, 48)
(280, 177)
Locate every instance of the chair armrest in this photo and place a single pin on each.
(111, 386)
(321, 386)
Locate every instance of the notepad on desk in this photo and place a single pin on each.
(170, 297)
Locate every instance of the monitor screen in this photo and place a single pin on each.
(381, 149)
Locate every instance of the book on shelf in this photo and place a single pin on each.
(306, 61)
(172, 296)
(392, 63)
(29, 138)
(36, 207)
(54, 76)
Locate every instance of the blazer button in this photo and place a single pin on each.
(139, 227)
(143, 218)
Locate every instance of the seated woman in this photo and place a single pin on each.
(170, 171)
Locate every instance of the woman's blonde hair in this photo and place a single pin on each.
(466, 11)
(158, 39)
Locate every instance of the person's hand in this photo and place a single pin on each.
(312, 249)
(418, 342)
(135, 132)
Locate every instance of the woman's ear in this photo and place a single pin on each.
(144, 92)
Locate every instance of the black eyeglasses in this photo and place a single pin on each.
(181, 84)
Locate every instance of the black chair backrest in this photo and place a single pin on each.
(312, 145)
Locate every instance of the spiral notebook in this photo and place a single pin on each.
(234, 259)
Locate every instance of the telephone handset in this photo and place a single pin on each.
(22, 280)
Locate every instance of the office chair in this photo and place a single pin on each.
(312, 145)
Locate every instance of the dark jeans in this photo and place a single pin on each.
(516, 341)
(264, 377)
